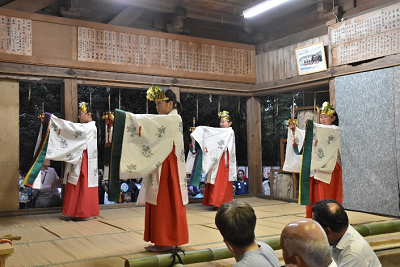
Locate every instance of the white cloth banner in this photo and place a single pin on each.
(292, 160)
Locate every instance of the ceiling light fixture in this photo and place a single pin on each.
(257, 9)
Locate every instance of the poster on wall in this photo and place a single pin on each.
(311, 58)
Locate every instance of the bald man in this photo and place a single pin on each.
(304, 244)
(348, 247)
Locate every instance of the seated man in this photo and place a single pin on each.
(304, 244)
(236, 222)
(48, 195)
(242, 187)
(348, 247)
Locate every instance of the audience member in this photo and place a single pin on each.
(348, 247)
(192, 190)
(48, 195)
(127, 197)
(202, 188)
(304, 244)
(242, 187)
(236, 222)
(266, 186)
(104, 184)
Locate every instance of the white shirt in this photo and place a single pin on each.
(354, 250)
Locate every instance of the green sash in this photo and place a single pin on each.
(114, 188)
(40, 154)
(304, 189)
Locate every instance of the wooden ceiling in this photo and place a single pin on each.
(214, 19)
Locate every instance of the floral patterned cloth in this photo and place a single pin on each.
(326, 145)
(67, 141)
(214, 142)
(292, 160)
(147, 142)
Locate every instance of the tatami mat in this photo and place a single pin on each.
(117, 234)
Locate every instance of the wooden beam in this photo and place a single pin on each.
(127, 16)
(254, 154)
(93, 77)
(29, 5)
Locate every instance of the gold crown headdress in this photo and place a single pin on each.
(154, 93)
(327, 109)
(224, 115)
(292, 121)
(83, 106)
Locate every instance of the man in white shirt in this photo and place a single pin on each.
(348, 247)
(48, 195)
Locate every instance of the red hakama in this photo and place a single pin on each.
(80, 200)
(320, 190)
(222, 190)
(166, 222)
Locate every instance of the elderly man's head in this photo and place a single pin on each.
(304, 243)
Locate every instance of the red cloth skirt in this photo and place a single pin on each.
(222, 190)
(166, 222)
(320, 190)
(80, 200)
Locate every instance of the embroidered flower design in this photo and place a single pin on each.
(70, 156)
(49, 152)
(161, 131)
(146, 151)
(78, 134)
(320, 153)
(54, 127)
(158, 164)
(94, 155)
(132, 130)
(214, 160)
(182, 155)
(63, 143)
(130, 168)
(180, 127)
(151, 179)
(95, 172)
(221, 144)
(95, 134)
(330, 139)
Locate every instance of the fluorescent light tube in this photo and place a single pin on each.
(255, 10)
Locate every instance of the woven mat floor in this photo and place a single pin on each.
(117, 234)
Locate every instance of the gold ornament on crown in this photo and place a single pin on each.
(224, 115)
(154, 93)
(327, 109)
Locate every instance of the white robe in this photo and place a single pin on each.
(67, 141)
(214, 142)
(148, 140)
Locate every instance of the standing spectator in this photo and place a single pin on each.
(304, 244)
(242, 187)
(236, 222)
(48, 194)
(348, 247)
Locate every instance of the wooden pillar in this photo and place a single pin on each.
(177, 92)
(254, 154)
(9, 145)
(332, 96)
(70, 100)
